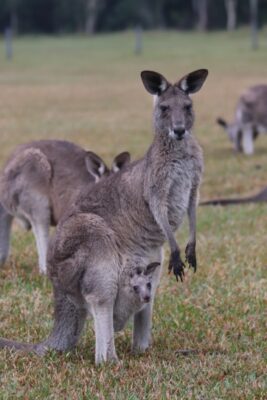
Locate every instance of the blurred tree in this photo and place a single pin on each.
(201, 9)
(92, 13)
(53, 16)
(254, 23)
(36, 16)
(68, 16)
(230, 6)
(160, 21)
(178, 14)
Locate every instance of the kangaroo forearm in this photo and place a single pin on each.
(192, 223)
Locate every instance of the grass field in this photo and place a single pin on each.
(89, 91)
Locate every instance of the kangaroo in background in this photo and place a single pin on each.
(250, 119)
(257, 198)
(39, 181)
(125, 220)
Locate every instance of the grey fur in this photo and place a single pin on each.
(125, 221)
(257, 198)
(250, 119)
(135, 289)
(39, 181)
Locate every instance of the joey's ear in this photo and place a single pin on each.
(193, 82)
(120, 161)
(95, 165)
(151, 268)
(154, 82)
(222, 122)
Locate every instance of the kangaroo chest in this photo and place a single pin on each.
(179, 192)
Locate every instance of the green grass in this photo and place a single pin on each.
(89, 91)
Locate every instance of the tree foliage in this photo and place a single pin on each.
(56, 16)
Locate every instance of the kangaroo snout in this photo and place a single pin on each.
(179, 132)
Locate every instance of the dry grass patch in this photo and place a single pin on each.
(89, 91)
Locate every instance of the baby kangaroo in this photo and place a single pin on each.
(128, 217)
(135, 289)
(40, 180)
(134, 292)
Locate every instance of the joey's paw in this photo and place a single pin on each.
(176, 264)
(190, 256)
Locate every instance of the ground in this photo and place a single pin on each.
(88, 90)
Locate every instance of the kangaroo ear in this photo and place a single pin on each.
(120, 161)
(151, 268)
(222, 122)
(193, 82)
(95, 165)
(154, 82)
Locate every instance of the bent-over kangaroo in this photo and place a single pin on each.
(39, 181)
(128, 217)
(250, 119)
(257, 198)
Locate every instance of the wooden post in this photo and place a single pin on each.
(8, 43)
(254, 23)
(138, 40)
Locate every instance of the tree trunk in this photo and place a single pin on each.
(201, 9)
(159, 14)
(92, 8)
(230, 6)
(254, 23)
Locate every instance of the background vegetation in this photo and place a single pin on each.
(89, 91)
(57, 16)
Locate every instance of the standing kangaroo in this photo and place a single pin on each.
(250, 119)
(39, 181)
(257, 198)
(125, 220)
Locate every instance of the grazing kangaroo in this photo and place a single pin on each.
(125, 220)
(250, 119)
(257, 198)
(39, 181)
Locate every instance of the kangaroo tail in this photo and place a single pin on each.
(39, 348)
(258, 198)
(5, 228)
(226, 202)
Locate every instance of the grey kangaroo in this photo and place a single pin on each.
(250, 119)
(125, 220)
(39, 181)
(257, 198)
(135, 288)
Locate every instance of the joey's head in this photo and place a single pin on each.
(173, 109)
(140, 281)
(98, 169)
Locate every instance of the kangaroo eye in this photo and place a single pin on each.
(136, 288)
(148, 285)
(164, 108)
(188, 107)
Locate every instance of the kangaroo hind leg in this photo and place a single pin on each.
(5, 229)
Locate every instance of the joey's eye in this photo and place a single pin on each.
(188, 107)
(164, 108)
(136, 288)
(148, 285)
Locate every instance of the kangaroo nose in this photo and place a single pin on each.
(147, 299)
(179, 132)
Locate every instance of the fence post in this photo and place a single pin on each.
(8, 43)
(138, 40)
